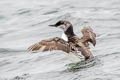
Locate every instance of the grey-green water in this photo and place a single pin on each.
(24, 22)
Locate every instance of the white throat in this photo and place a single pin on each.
(64, 37)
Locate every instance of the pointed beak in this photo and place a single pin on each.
(53, 25)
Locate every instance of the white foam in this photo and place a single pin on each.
(75, 57)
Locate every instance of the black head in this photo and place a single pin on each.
(61, 22)
(64, 25)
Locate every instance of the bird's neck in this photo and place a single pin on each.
(64, 36)
(69, 32)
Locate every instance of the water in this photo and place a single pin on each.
(24, 22)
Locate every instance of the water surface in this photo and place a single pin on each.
(24, 22)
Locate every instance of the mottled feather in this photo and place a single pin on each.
(50, 44)
(88, 36)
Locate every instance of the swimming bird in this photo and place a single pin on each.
(82, 44)
(69, 41)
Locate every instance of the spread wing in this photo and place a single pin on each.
(50, 44)
(88, 36)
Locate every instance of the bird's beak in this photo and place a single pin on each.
(53, 25)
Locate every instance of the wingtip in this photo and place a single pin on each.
(88, 32)
(93, 38)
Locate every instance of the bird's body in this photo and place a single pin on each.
(69, 41)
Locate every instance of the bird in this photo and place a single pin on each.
(69, 41)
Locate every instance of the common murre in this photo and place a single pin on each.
(81, 44)
(70, 41)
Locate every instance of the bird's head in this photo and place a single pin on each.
(64, 25)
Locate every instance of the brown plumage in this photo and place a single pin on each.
(88, 36)
(52, 44)
(74, 43)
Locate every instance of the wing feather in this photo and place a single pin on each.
(88, 36)
(50, 44)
